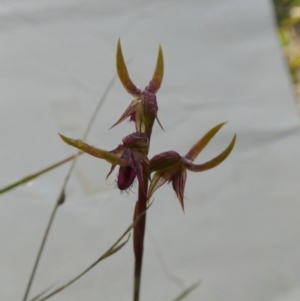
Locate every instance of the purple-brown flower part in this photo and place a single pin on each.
(136, 140)
(171, 167)
(143, 109)
(118, 152)
(137, 162)
(93, 151)
(158, 75)
(126, 177)
(165, 160)
(123, 73)
(140, 163)
(146, 111)
(178, 183)
(132, 151)
(129, 112)
(133, 117)
(131, 156)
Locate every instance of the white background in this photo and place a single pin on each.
(240, 232)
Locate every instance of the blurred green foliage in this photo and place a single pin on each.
(287, 14)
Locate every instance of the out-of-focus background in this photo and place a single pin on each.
(239, 234)
(287, 14)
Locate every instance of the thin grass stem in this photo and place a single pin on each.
(112, 250)
(61, 199)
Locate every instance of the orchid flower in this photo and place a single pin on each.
(171, 167)
(143, 109)
(130, 156)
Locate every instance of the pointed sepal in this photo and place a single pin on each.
(200, 145)
(178, 183)
(128, 112)
(158, 75)
(123, 73)
(212, 163)
(110, 171)
(93, 151)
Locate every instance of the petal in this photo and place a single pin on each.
(159, 178)
(164, 161)
(93, 151)
(133, 117)
(123, 73)
(178, 182)
(157, 77)
(126, 177)
(212, 163)
(200, 145)
(128, 112)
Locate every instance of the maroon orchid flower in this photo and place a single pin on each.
(143, 109)
(171, 167)
(130, 156)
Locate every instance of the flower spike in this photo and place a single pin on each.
(123, 73)
(131, 155)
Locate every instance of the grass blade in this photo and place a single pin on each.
(37, 174)
(187, 292)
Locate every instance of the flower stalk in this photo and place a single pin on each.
(138, 237)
